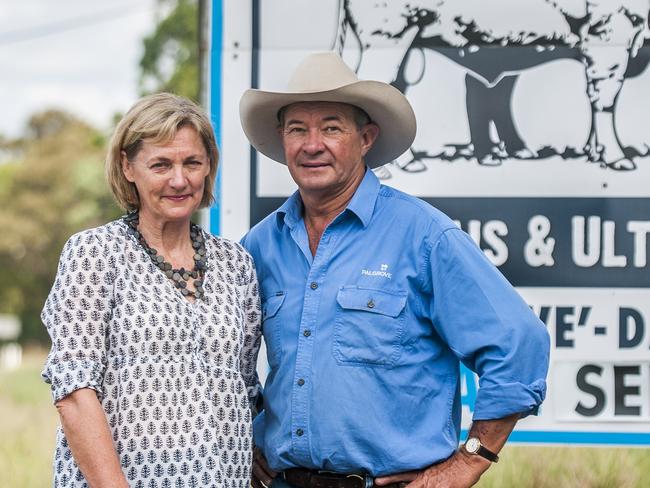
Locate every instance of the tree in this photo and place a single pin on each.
(170, 61)
(54, 188)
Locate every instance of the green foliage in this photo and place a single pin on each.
(170, 61)
(53, 187)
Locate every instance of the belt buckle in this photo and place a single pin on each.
(363, 479)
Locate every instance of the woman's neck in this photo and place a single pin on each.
(170, 238)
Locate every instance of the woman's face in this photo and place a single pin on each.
(170, 178)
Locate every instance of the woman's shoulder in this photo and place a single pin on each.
(107, 235)
(233, 255)
(227, 248)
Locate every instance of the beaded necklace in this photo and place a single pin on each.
(180, 277)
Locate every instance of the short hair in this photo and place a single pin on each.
(361, 118)
(157, 118)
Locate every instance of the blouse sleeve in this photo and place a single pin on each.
(76, 315)
(252, 335)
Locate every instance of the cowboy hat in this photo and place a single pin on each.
(324, 77)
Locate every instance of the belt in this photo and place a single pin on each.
(305, 478)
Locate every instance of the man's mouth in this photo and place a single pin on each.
(314, 164)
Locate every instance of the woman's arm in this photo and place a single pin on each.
(89, 437)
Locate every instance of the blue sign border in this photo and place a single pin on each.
(214, 103)
(623, 439)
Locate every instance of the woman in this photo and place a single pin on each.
(155, 324)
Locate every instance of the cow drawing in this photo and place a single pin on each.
(606, 36)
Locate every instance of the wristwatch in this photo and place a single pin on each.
(474, 447)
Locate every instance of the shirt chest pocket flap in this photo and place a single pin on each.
(369, 326)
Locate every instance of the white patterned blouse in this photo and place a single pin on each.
(176, 379)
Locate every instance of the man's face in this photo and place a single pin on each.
(324, 148)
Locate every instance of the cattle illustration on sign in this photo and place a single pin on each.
(494, 42)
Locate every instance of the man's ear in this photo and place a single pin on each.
(127, 169)
(369, 135)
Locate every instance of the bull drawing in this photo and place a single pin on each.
(606, 36)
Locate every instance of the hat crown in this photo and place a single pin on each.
(321, 72)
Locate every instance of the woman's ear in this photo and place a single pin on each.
(127, 168)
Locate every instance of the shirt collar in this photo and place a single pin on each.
(362, 204)
(363, 201)
(290, 212)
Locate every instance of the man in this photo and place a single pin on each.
(370, 298)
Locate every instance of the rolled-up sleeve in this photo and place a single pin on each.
(76, 315)
(489, 327)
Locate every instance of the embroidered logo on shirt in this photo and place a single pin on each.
(382, 271)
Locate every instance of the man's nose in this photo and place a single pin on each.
(314, 141)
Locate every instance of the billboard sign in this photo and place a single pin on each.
(532, 135)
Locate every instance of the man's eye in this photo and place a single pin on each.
(332, 129)
(295, 130)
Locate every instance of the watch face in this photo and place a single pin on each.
(472, 445)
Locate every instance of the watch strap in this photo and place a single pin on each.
(487, 454)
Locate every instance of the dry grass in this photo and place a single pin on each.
(559, 467)
(28, 422)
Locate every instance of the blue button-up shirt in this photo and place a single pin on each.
(365, 337)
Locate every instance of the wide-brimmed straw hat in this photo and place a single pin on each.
(324, 77)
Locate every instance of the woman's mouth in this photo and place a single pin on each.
(177, 198)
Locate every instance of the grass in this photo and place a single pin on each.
(559, 467)
(28, 423)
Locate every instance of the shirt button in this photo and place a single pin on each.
(313, 285)
(306, 332)
(301, 382)
(371, 304)
(299, 432)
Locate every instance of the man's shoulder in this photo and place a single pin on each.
(414, 209)
(261, 231)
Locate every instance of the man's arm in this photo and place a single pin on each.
(462, 469)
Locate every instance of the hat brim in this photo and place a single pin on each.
(384, 104)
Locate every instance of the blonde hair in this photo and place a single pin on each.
(157, 118)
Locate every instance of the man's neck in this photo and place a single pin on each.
(320, 210)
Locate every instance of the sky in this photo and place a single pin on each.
(75, 55)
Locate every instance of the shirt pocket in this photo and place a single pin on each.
(271, 326)
(369, 326)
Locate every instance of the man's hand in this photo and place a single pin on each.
(461, 470)
(456, 472)
(262, 474)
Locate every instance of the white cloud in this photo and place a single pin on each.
(88, 64)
